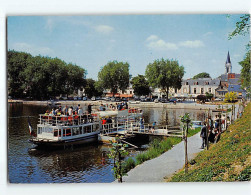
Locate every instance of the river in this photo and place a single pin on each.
(88, 164)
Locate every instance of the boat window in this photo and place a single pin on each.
(81, 130)
(95, 127)
(66, 132)
(39, 130)
(87, 129)
(57, 132)
(75, 131)
(47, 130)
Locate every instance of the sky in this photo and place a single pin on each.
(199, 42)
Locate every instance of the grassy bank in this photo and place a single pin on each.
(157, 147)
(228, 160)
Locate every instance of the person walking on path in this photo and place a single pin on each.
(203, 135)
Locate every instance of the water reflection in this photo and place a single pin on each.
(171, 117)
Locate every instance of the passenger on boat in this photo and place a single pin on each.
(104, 121)
(70, 111)
(65, 110)
(126, 105)
(109, 122)
(47, 113)
(53, 112)
(141, 123)
(119, 107)
(80, 110)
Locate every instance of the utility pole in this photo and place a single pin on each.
(208, 116)
(185, 142)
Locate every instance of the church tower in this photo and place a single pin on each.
(228, 64)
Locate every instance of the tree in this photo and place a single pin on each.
(186, 122)
(245, 72)
(118, 151)
(230, 97)
(242, 26)
(91, 89)
(114, 75)
(41, 77)
(202, 75)
(209, 96)
(165, 74)
(140, 85)
(201, 98)
(16, 64)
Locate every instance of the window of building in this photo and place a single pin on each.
(209, 90)
(186, 83)
(194, 90)
(202, 90)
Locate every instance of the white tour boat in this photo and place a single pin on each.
(65, 130)
(56, 131)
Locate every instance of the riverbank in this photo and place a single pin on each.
(182, 105)
(228, 160)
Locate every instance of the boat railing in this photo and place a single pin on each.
(65, 120)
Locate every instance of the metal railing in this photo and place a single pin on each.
(136, 127)
(65, 120)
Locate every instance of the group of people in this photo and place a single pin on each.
(68, 111)
(117, 106)
(212, 134)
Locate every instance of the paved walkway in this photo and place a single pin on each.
(165, 165)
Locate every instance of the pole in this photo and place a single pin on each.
(185, 142)
(207, 129)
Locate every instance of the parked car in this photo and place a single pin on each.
(84, 98)
(113, 99)
(117, 99)
(125, 99)
(173, 100)
(93, 98)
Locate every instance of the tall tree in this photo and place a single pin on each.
(41, 77)
(202, 75)
(114, 75)
(16, 64)
(91, 89)
(165, 74)
(140, 85)
(245, 72)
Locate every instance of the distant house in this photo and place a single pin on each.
(195, 87)
(237, 88)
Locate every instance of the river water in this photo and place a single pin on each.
(88, 164)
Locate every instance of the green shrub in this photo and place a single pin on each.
(128, 165)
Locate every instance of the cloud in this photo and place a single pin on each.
(34, 50)
(152, 38)
(208, 34)
(192, 44)
(105, 29)
(155, 43)
(162, 45)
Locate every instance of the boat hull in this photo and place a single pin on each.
(64, 143)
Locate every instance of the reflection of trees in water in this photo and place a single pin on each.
(167, 116)
(76, 164)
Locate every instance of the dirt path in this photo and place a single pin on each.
(165, 165)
